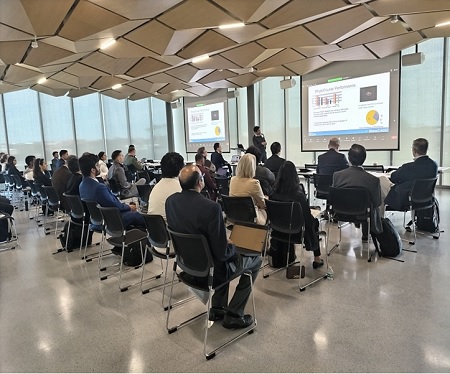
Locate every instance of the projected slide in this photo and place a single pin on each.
(352, 106)
(206, 123)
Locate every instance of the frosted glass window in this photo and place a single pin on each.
(88, 124)
(421, 102)
(57, 124)
(3, 144)
(116, 124)
(446, 147)
(23, 125)
(242, 117)
(159, 123)
(140, 127)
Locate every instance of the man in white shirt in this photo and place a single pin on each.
(171, 164)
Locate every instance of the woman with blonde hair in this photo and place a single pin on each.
(244, 184)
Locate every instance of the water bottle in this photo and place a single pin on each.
(330, 273)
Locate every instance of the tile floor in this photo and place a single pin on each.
(384, 316)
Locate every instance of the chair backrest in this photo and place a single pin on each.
(144, 192)
(311, 166)
(42, 191)
(156, 230)
(285, 216)
(350, 201)
(193, 254)
(17, 181)
(6, 208)
(34, 190)
(52, 195)
(114, 186)
(113, 221)
(223, 185)
(422, 192)
(376, 168)
(240, 208)
(9, 180)
(76, 206)
(94, 212)
(322, 184)
(144, 174)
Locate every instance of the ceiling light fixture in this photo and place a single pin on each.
(232, 25)
(34, 43)
(443, 24)
(395, 19)
(42, 80)
(116, 86)
(200, 58)
(108, 44)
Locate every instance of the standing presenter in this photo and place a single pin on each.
(260, 142)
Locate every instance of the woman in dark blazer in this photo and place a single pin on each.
(287, 188)
(11, 168)
(39, 175)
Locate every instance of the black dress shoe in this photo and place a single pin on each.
(317, 265)
(216, 314)
(230, 322)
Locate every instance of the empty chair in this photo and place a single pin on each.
(53, 203)
(240, 208)
(194, 259)
(144, 194)
(96, 226)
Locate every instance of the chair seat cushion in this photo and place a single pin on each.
(194, 282)
(132, 236)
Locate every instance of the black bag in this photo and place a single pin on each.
(74, 240)
(277, 253)
(389, 240)
(132, 255)
(5, 227)
(428, 219)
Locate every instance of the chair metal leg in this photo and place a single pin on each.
(322, 277)
(157, 276)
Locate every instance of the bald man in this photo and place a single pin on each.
(332, 160)
(189, 212)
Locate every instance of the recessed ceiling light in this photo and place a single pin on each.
(116, 86)
(200, 58)
(232, 25)
(42, 80)
(443, 24)
(107, 44)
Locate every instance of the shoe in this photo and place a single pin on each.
(216, 314)
(365, 239)
(317, 265)
(230, 322)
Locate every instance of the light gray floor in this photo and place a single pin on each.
(385, 316)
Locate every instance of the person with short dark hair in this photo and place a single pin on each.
(11, 168)
(423, 167)
(331, 161)
(55, 159)
(63, 155)
(3, 162)
(260, 142)
(91, 189)
(73, 185)
(274, 162)
(356, 176)
(210, 185)
(263, 174)
(60, 178)
(190, 212)
(28, 173)
(102, 158)
(171, 164)
(208, 164)
(218, 160)
(131, 162)
(117, 172)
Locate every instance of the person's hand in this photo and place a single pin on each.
(264, 143)
(133, 207)
(230, 241)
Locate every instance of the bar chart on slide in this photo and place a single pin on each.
(326, 100)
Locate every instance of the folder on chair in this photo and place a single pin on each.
(249, 238)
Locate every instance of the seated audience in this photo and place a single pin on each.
(73, 185)
(356, 176)
(244, 184)
(171, 164)
(218, 160)
(287, 188)
(191, 213)
(4, 162)
(263, 174)
(91, 189)
(117, 172)
(60, 178)
(331, 160)
(63, 155)
(208, 164)
(39, 172)
(423, 167)
(131, 162)
(28, 173)
(55, 159)
(274, 162)
(102, 159)
(11, 168)
(210, 185)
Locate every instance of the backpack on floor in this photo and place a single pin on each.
(277, 254)
(132, 255)
(390, 243)
(74, 239)
(428, 219)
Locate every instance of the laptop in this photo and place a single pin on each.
(249, 238)
(241, 147)
(235, 158)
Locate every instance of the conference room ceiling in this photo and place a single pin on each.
(57, 46)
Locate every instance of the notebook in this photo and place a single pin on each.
(249, 239)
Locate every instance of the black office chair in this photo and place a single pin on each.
(21, 193)
(11, 240)
(144, 191)
(375, 168)
(54, 205)
(350, 204)
(119, 237)
(194, 258)
(77, 218)
(239, 209)
(144, 174)
(115, 189)
(311, 167)
(420, 198)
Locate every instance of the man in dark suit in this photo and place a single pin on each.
(274, 162)
(356, 176)
(331, 160)
(260, 142)
(421, 168)
(190, 212)
(91, 189)
(218, 160)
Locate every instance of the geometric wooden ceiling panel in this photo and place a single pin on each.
(157, 40)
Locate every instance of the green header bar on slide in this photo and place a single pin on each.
(334, 79)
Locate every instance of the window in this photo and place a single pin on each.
(140, 127)
(116, 124)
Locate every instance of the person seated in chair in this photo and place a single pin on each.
(210, 185)
(287, 188)
(189, 212)
(60, 178)
(423, 167)
(91, 189)
(262, 173)
(331, 161)
(28, 173)
(117, 172)
(131, 162)
(218, 160)
(274, 162)
(208, 164)
(356, 176)
(63, 155)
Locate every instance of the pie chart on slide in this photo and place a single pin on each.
(372, 117)
(217, 130)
